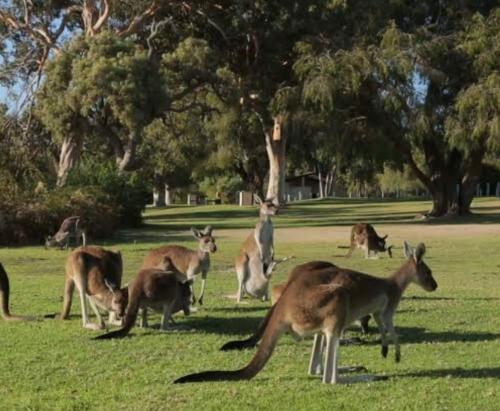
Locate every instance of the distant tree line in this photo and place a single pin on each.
(238, 94)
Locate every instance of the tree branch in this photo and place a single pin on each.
(103, 17)
(137, 21)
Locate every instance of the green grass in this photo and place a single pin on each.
(450, 338)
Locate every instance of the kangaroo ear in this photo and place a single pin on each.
(407, 250)
(111, 286)
(419, 252)
(257, 199)
(195, 232)
(385, 236)
(208, 230)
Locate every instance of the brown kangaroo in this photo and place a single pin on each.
(186, 261)
(97, 274)
(326, 300)
(4, 299)
(161, 290)
(277, 290)
(255, 262)
(71, 228)
(364, 236)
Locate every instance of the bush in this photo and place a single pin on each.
(27, 217)
(95, 192)
(128, 192)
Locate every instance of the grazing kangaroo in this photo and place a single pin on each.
(165, 291)
(186, 261)
(4, 299)
(70, 229)
(97, 274)
(277, 290)
(364, 236)
(326, 300)
(254, 264)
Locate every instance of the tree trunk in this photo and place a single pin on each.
(321, 188)
(469, 181)
(276, 152)
(329, 184)
(69, 154)
(168, 194)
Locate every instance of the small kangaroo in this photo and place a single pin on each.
(97, 274)
(364, 236)
(70, 229)
(186, 261)
(326, 300)
(4, 299)
(162, 290)
(254, 264)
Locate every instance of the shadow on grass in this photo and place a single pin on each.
(417, 335)
(240, 309)
(416, 297)
(493, 372)
(224, 326)
(337, 212)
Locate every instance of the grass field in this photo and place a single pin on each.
(450, 338)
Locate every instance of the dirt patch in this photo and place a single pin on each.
(396, 232)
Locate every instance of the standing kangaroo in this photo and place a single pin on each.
(70, 229)
(4, 299)
(255, 262)
(326, 300)
(364, 236)
(97, 274)
(186, 261)
(162, 290)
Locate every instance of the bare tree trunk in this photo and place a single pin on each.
(128, 161)
(329, 183)
(168, 194)
(321, 188)
(69, 154)
(468, 183)
(276, 152)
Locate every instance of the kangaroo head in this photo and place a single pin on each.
(206, 241)
(382, 245)
(267, 207)
(119, 298)
(422, 273)
(49, 242)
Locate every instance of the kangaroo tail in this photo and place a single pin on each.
(4, 298)
(272, 332)
(4, 293)
(252, 341)
(352, 246)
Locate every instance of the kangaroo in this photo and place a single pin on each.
(364, 236)
(326, 300)
(277, 290)
(97, 274)
(186, 261)
(162, 290)
(4, 299)
(70, 229)
(254, 264)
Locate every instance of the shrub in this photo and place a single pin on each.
(103, 199)
(128, 192)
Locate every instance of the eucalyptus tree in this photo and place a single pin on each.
(411, 84)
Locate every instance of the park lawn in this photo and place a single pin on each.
(450, 338)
